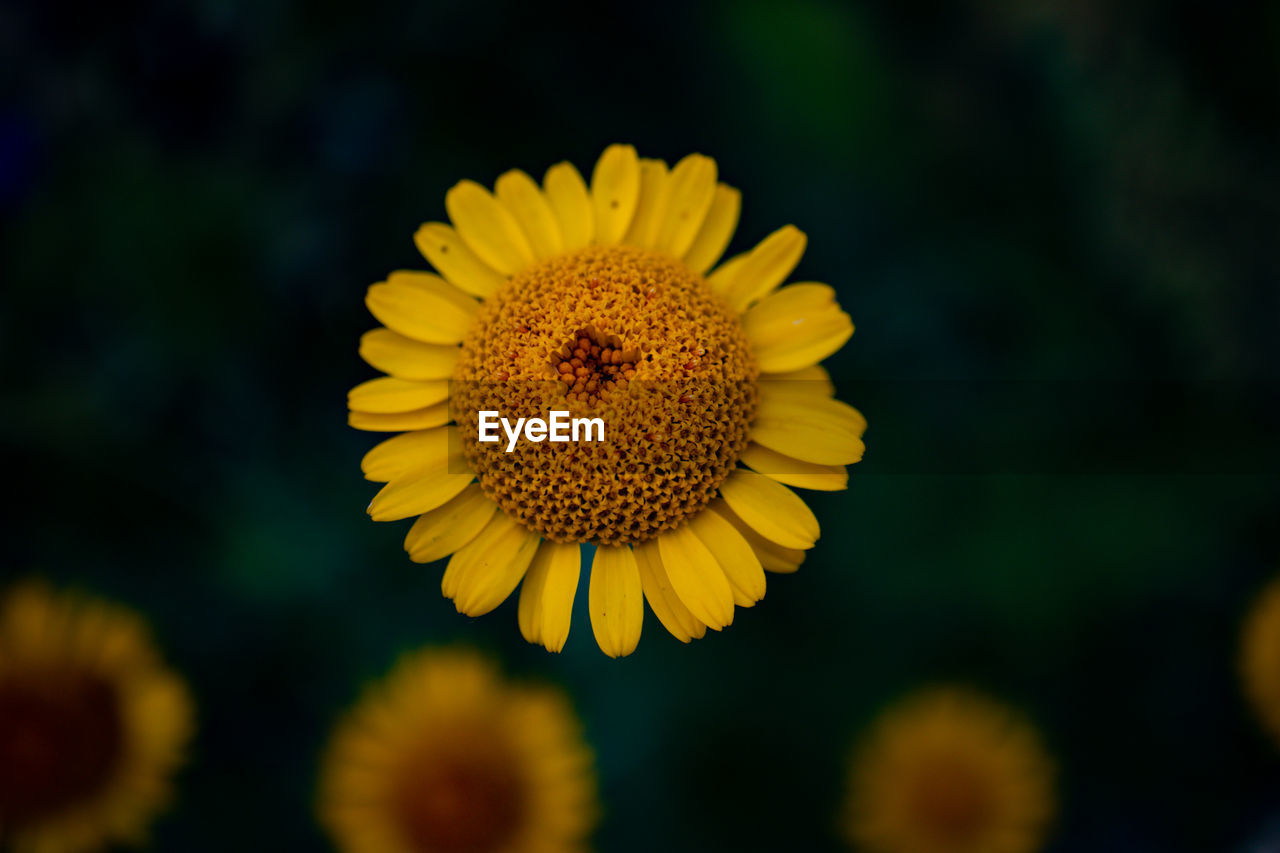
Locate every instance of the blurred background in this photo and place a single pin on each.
(1054, 223)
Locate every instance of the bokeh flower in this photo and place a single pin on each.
(597, 301)
(948, 770)
(92, 724)
(1260, 658)
(444, 756)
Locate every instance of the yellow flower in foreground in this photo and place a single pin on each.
(92, 725)
(598, 302)
(949, 771)
(1260, 658)
(443, 756)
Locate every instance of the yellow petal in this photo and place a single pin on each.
(568, 196)
(616, 600)
(388, 395)
(795, 472)
(411, 450)
(734, 554)
(442, 246)
(811, 429)
(521, 196)
(796, 327)
(771, 509)
(422, 306)
(406, 358)
(615, 188)
(664, 602)
(722, 277)
(813, 379)
(420, 490)
(696, 577)
(690, 192)
(485, 571)
(445, 529)
(773, 556)
(650, 206)
(546, 596)
(766, 266)
(431, 416)
(487, 228)
(717, 229)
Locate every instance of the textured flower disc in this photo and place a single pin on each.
(631, 337)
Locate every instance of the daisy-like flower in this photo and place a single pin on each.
(444, 756)
(92, 725)
(949, 771)
(597, 301)
(1260, 658)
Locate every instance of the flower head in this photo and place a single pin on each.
(949, 771)
(92, 725)
(443, 756)
(1260, 658)
(598, 302)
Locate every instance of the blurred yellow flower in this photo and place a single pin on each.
(949, 771)
(92, 725)
(598, 302)
(1260, 658)
(444, 756)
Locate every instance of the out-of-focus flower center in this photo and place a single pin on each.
(626, 335)
(462, 796)
(61, 737)
(950, 799)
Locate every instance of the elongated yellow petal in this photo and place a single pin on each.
(812, 429)
(420, 490)
(794, 472)
(813, 379)
(446, 251)
(771, 509)
(650, 206)
(615, 188)
(487, 228)
(722, 276)
(696, 577)
(568, 196)
(734, 554)
(431, 416)
(485, 571)
(796, 327)
(717, 229)
(445, 529)
(546, 596)
(408, 451)
(521, 196)
(664, 602)
(766, 266)
(773, 556)
(691, 189)
(422, 306)
(616, 600)
(405, 358)
(388, 395)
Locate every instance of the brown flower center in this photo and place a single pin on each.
(460, 797)
(61, 737)
(626, 335)
(951, 799)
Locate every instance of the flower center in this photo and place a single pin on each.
(950, 799)
(460, 797)
(626, 335)
(61, 737)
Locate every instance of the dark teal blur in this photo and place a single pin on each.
(1055, 225)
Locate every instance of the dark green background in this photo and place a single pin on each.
(1054, 223)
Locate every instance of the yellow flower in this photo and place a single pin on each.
(1260, 658)
(92, 725)
(443, 756)
(949, 771)
(598, 302)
